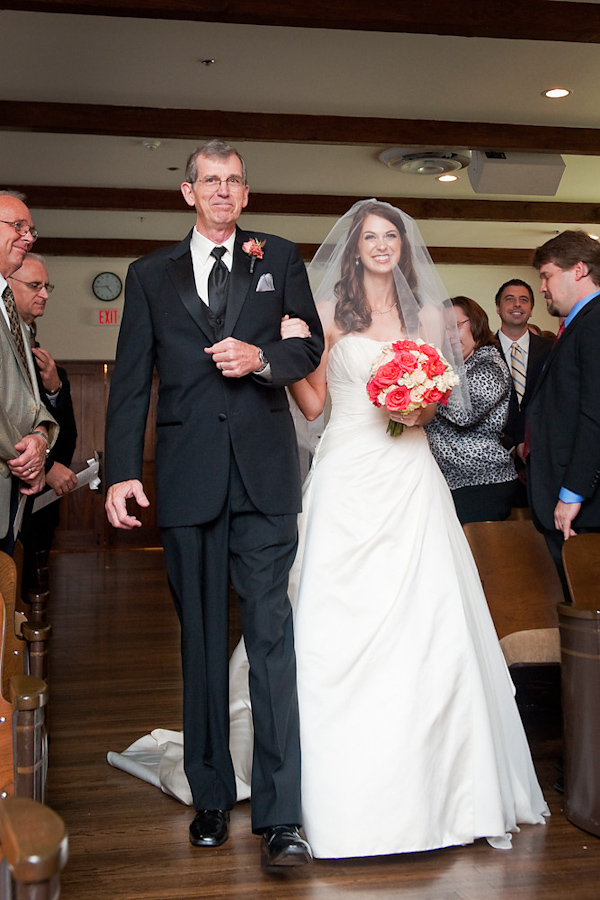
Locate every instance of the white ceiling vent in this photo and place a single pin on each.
(415, 161)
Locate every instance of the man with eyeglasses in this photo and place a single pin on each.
(27, 429)
(207, 313)
(31, 290)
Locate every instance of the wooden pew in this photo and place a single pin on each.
(580, 650)
(521, 586)
(33, 850)
(32, 614)
(23, 698)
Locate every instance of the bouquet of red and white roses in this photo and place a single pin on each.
(408, 375)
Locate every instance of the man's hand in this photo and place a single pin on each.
(28, 466)
(234, 358)
(564, 514)
(116, 503)
(47, 368)
(61, 479)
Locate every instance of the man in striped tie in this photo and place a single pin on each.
(525, 354)
(27, 429)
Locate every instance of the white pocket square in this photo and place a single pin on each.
(265, 283)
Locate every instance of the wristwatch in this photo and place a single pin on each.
(264, 362)
(56, 392)
(46, 438)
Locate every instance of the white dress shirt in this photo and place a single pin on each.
(523, 342)
(202, 261)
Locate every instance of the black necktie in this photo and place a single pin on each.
(217, 281)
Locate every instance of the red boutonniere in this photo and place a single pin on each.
(254, 249)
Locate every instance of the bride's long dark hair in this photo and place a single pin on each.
(352, 312)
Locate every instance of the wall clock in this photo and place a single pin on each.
(107, 286)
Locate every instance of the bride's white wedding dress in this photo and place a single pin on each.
(411, 738)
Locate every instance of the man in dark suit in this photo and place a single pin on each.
(563, 421)
(525, 354)
(31, 289)
(27, 429)
(228, 484)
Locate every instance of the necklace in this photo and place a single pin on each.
(382, 312)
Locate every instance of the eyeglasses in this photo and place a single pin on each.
(234, 182)
(35, 286)
(464, 322)
(22, 227)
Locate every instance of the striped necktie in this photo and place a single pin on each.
(517, 369)
(15, 326)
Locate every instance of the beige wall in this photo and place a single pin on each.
(68, 332)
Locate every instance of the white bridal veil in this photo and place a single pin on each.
(424, 305)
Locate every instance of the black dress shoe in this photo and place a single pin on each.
(209, 828)
(559, 784)
(282, 845)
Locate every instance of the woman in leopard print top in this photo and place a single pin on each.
(467, 444)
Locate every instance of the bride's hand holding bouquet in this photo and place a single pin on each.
(407, 376)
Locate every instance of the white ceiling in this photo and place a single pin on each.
(156, 63)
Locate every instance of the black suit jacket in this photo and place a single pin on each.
(63, 412)
(203, 417)
(563, 421)
(539, 349)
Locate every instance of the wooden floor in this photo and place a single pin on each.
(115, 675)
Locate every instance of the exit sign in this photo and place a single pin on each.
(108, 317)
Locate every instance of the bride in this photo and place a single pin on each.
(411, 738)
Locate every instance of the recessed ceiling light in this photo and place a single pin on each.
(556, 93)
(448, 178)
(208, 62)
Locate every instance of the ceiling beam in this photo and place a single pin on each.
(423, 208)
(536, 20)
(109, 248)
(196, 124)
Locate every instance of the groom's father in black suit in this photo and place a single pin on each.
(564, 413)
(206, 313)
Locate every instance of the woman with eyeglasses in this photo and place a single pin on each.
(467, 442)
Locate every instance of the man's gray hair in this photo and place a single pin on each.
(17, 195)
(36, 257)
(213, 149)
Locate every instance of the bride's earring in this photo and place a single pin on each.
(357, 261)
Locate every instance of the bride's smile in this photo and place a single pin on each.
(379, 245)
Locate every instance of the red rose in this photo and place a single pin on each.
(374, 388)
(433, 395)
(405, 345)
(434, 366)
(405, 361)
(388, 373)
(397, 399)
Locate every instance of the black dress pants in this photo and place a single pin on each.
(256, 551)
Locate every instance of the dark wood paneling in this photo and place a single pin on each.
(143, 199)
(535, 20)
(83, 522)
(132, 249)
(198, 124)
